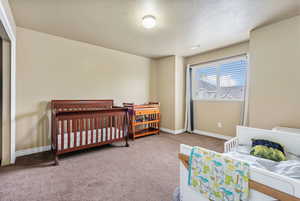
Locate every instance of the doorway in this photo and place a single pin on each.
(5, 97)
(1, 98)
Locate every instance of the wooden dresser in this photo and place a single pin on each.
(144, 119)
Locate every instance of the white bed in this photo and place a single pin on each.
(285, 184)
(286, 129)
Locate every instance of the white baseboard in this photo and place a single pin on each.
(166, 130)
(179, 131)
(215, 135)
(32, 150)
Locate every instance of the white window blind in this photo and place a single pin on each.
(222, 80)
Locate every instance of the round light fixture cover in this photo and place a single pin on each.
(195, 47)
(149, 21)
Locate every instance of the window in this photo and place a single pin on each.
(222, 80)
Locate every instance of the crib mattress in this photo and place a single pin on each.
(103, 135)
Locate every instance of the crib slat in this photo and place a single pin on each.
(86, 131)
(57, 133)
(62, 135)
(119, 126)
(116, 127)
(122, 126)
(97, 129)
(74, 124)
(101, 126)
(68, 132)
(81, 128)
(110, 129)
(113, 130)
(106, 127)
(92, 129)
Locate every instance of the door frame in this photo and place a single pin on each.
(9, 25)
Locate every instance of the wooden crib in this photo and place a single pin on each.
(81, 124)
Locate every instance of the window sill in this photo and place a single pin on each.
(219, 100)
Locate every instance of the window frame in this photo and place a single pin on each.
(217, 64)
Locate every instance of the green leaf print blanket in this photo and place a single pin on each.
(218, 177)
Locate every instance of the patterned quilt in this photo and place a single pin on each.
(218, 177)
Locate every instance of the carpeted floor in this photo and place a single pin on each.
(146, 171)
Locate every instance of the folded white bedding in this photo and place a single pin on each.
(290, 168)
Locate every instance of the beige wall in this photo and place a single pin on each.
(165, 90)
(179, 93)
(6, 104)
(167, 87)
(50, 67)
(209, 113)
(275, 75)
(153, 80)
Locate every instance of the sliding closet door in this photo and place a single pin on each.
(218, 91)
(1, 98)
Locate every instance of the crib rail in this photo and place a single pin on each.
(281, 196)
(79, 105)
(231, 144)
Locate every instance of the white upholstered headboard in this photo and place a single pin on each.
(291, 141)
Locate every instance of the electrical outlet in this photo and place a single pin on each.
(219, 124)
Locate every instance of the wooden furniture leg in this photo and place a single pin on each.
(158, 124)
(56, 161)
(133, 127)
(127, 130)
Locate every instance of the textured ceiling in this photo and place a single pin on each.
(181, 24)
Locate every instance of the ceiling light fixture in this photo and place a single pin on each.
(195, 47)
(149, 21)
